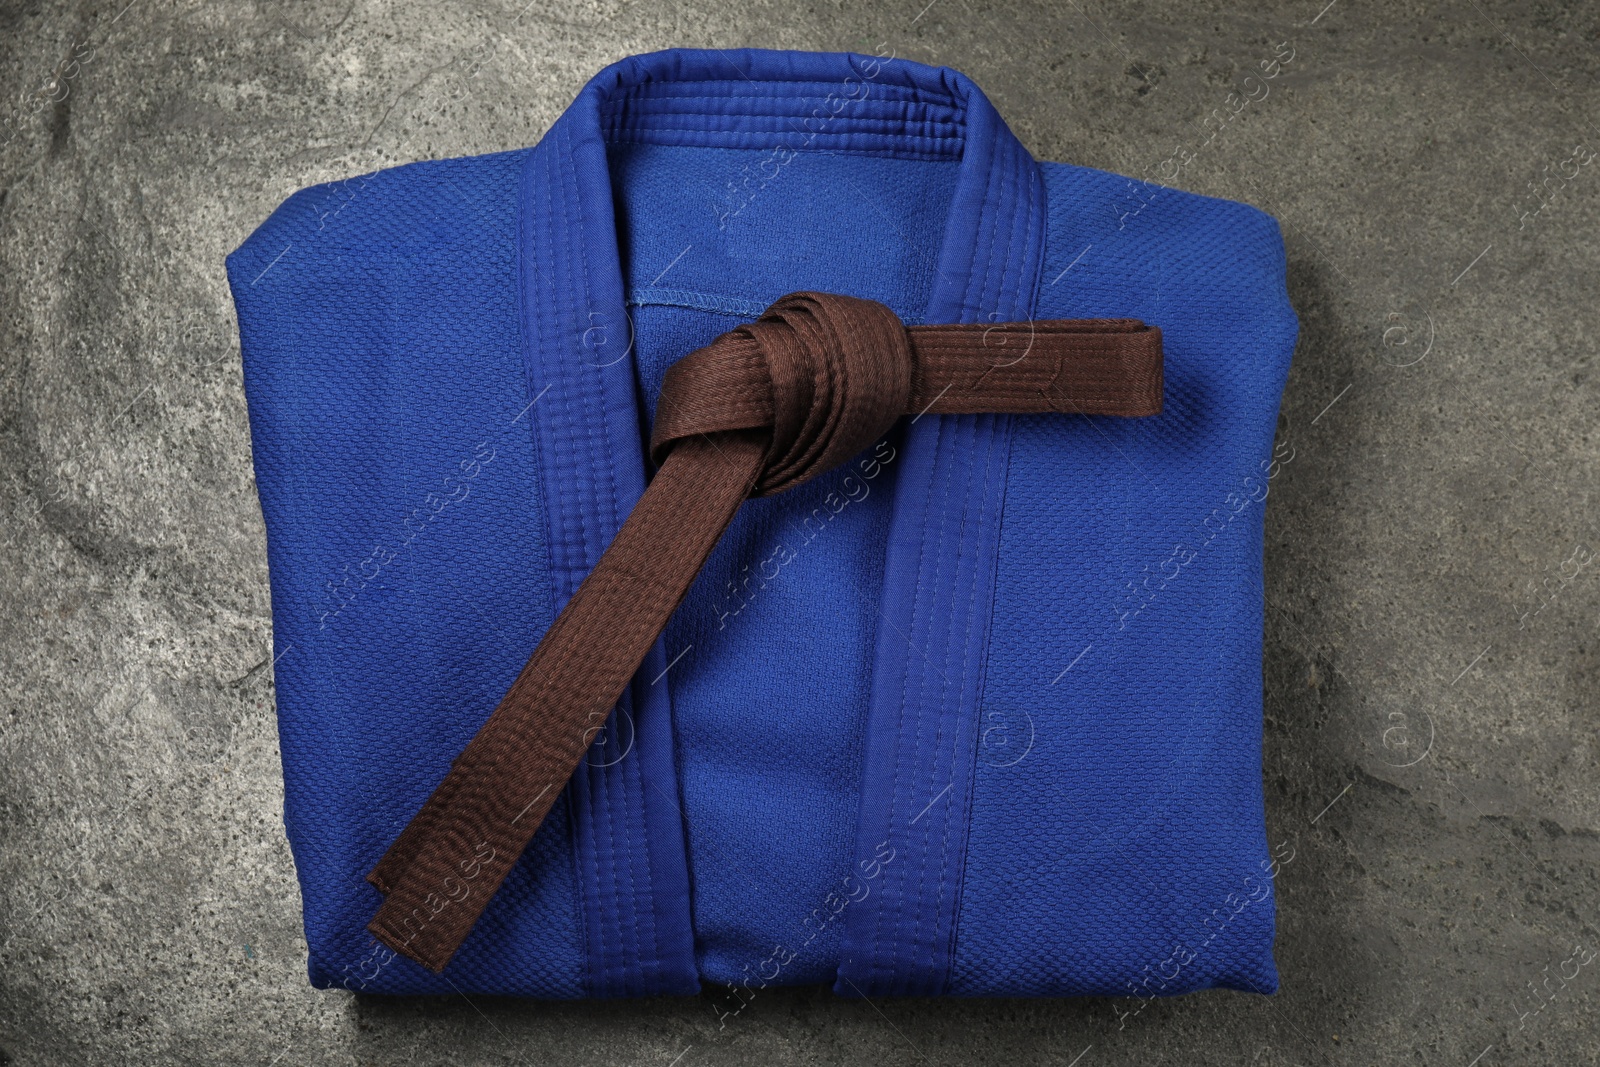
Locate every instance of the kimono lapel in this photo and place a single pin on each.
(934, 607)
(627, 831)
(922, 728)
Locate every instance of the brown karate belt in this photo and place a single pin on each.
(761, 409)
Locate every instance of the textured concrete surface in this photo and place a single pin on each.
(1432, 662)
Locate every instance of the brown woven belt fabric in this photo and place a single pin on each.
(761, 409)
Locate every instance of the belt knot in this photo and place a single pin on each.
(825, 375)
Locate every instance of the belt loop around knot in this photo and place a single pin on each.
(825, 375)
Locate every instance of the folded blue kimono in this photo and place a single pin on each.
(978, 713)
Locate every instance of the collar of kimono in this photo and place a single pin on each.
(763, 408)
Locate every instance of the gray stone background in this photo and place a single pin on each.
(1431, 656)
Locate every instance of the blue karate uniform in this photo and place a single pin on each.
(978, 713)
